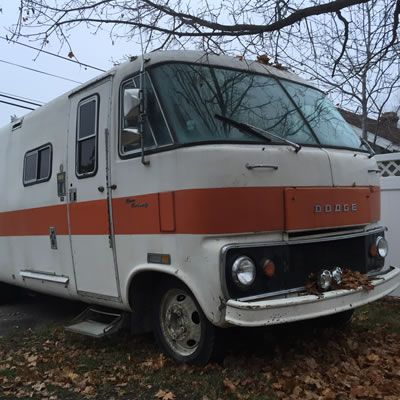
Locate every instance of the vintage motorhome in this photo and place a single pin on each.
(191, 191)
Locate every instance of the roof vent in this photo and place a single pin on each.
(17, 124)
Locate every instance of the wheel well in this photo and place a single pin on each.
(141, 294)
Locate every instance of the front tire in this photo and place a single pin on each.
(180, 326)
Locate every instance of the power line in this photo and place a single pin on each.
(23, 101)
(51, 54)
(22, 98)
(16, 105)
(38, 71)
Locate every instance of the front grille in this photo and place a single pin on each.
(295, 261)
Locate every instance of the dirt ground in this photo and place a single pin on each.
(34, 310)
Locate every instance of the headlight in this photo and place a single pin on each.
(324, 279)
(243, 271)
(337, 275)
(382, 246)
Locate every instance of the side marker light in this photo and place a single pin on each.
(269, 268)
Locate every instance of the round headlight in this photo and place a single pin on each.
(324, 279)
(243, 271)
(382, 246)
(337, 275)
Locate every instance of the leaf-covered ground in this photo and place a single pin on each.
(298, 361)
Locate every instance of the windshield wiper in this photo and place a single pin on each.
(367, 145)
(255, 131)
(243, 127)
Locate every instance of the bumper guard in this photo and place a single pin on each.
(301, 307)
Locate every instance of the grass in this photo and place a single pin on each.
(10, 374)
(385, 313)
(256, 360)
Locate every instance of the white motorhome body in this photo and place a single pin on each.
(205, 198)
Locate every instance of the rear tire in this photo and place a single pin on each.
(180, 326)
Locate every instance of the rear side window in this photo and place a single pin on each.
(37, 165)
(86, 137)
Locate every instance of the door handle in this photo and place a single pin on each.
(101, 188)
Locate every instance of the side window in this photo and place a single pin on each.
(86, 137)
(37, 165)
(155, 130)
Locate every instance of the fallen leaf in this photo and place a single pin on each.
(164, 395)
(229, 385)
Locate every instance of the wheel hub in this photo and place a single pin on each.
(177, 322)
(180, 322)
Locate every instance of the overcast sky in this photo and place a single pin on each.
(15, 81)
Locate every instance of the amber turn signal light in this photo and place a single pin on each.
(269, 268)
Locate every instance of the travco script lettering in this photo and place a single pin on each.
(133, 203)
(328, 208)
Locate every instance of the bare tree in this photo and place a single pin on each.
(355, 58)
(351, 47)
(215, 25)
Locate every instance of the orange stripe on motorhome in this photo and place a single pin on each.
(89, 218)
(312, 208)
(136, 215)
(34, 221)
(166, 204)
(229, 210)
(203, 211)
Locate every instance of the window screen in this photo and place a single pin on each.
(37, 165)
(86, 137)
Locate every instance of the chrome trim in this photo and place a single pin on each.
(379, 240)
(227, 247)
(44, 276)
(370, 274)
(253, 166)
(271, 294)
(302, 241)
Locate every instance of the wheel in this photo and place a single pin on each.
(180, 326)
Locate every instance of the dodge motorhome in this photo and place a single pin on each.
(191, 192)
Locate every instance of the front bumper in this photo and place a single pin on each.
(301, 307)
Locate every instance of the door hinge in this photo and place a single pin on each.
(72, 195)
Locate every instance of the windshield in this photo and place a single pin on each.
(324, 119)
(192, 95)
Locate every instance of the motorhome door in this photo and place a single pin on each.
(89, 192)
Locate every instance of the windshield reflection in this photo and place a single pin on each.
(193, 94)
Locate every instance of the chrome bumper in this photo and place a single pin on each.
(282, 310)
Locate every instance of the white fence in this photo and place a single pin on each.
(390, 202)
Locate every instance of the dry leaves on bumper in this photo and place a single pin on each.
(350, 280)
